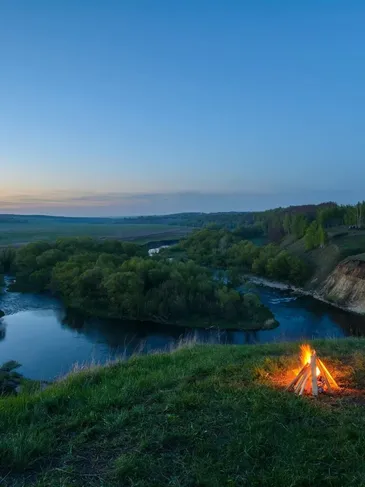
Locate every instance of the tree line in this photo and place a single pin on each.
(275, 224)
(313, 225)
(222, 249)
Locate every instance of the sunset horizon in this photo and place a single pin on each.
(114, 108)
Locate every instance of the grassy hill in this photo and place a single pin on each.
(342, 243)
(202, 416)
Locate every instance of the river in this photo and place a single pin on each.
(38, 333)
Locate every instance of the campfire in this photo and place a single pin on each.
(314, 376)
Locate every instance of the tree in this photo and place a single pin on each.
(360, 207)
(322, 236)
(350, 216)
(299, 225)
(287, 223)
(315, 236)
(311, 237)
(7, 260)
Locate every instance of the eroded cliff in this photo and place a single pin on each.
(345, 286)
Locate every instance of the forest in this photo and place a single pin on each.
(118, 280)
(309, 221)
(222, 249)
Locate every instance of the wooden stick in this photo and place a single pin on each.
(297, 377)
(329, 376)
(325, 378)
(300, 381)
(307, 375)
(314, 374)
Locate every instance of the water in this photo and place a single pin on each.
(38, 333)
(152, 252)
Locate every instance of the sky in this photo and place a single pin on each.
(113, 108)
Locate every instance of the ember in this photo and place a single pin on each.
(313, 376)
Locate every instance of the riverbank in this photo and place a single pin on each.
(60, 340)
(204, 415)
(262, 281)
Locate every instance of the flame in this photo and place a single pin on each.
(305, 356)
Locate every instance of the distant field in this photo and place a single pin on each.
(19, 232)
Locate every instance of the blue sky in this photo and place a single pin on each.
(135, 106)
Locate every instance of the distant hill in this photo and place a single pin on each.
(21, 229)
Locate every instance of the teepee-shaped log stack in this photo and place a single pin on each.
(313, 377)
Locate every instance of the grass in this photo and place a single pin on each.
(33, 230)
(209, 416)
(342, 244)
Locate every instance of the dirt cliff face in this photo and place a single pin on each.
(345, 286)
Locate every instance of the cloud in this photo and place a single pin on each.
(129, 204)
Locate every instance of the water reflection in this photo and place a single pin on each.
(130, 336)
(304, 317)
(127, 337)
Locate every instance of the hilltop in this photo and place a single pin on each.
(207, 416)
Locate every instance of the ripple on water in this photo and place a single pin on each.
(283, 300)
(12, 303)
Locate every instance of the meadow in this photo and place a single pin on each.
(202, 416)
(21, 230)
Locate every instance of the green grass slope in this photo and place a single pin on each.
(202, 416)
(342, 244)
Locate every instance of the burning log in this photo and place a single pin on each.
(327, 376)
(303, 378)
(296, 378)
(313, 372)
(307, 375)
